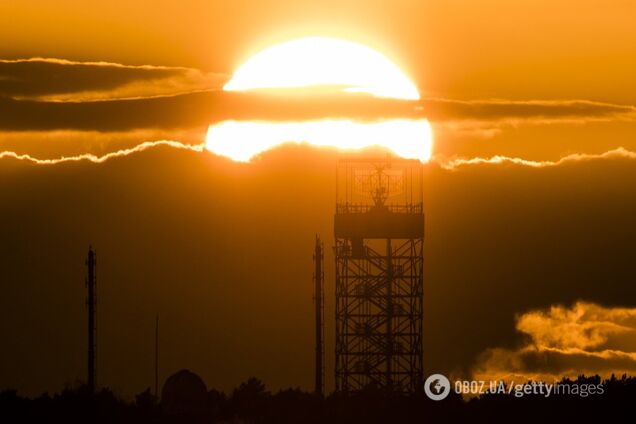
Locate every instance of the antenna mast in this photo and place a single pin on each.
(91, 302)
(319, 281)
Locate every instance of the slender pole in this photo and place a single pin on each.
(318, 301)
(157, 357)
(91, 263)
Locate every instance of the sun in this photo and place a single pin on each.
(315, 61)
(242, 140)
(322, 63)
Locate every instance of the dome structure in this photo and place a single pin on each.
(184, 393)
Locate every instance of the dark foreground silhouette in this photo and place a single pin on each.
(250, 402)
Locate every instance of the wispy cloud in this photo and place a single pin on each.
(455, 164)
(89, 157)
(565, 342)
(618, 153)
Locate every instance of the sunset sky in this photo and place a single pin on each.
(529, 193)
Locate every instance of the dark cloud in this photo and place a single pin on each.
(116, 115)
(199, 109)
(537, 110)
(57, 79)
(46, 94)
(194, 109)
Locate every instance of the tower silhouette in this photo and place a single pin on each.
(379, 233)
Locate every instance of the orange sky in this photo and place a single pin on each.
(459, 48)
(214, 246)
(453, 50)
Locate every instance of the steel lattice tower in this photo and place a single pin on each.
(379, 233)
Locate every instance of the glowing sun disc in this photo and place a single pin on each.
(242, 140)
(315, 61)
(322, 62)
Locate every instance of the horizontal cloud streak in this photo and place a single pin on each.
(618, 153)
(89, 157)
(195, 109)
(49, 79)
(545, 111)
(201, 109)
(48, 93)
(488, 118)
